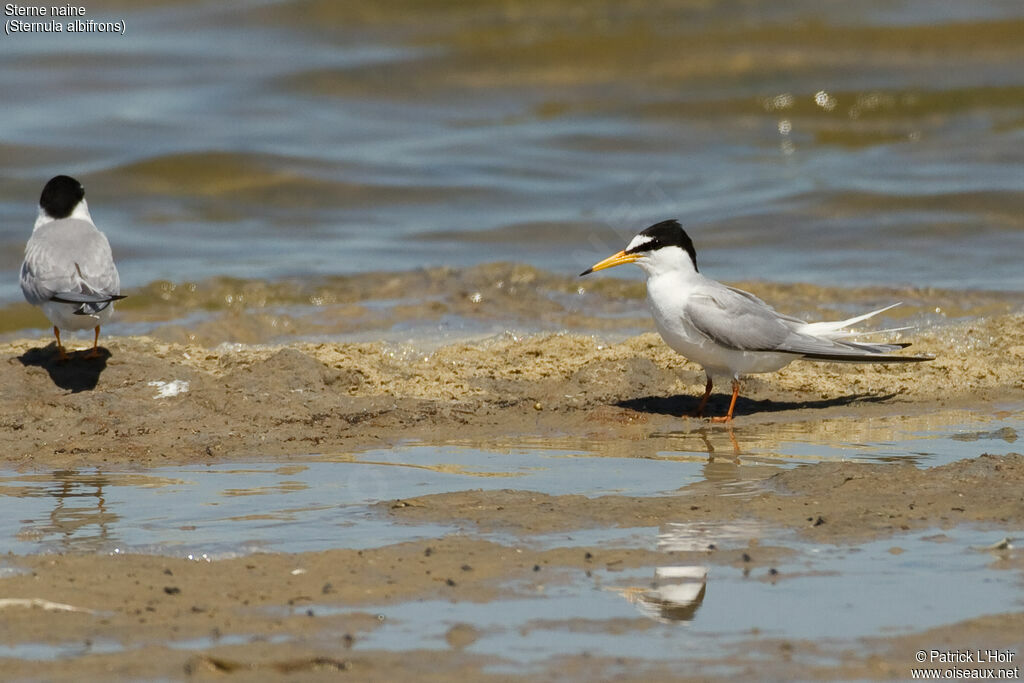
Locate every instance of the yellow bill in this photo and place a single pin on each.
(610, 262)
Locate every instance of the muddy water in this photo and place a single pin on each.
(877, 143)
(317, 502)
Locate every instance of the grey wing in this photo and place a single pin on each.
(745, 323)
(68, 257)
(756, 300)
(32, 286)
(736, 320)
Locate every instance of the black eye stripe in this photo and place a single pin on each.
(649, 245)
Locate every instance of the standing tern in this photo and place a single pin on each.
(726, 330)
(68, 270)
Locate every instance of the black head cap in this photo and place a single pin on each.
(60, 196)
(666, 234)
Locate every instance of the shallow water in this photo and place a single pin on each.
(832, 593)
(324, 501)
(827, 594)
(816, 142)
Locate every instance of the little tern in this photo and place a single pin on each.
(727, 331)
(69, 270)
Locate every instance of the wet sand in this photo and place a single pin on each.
(303, 615)
(149, 402)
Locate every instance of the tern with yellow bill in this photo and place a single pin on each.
(730, 332)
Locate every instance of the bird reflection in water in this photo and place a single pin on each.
(709, 437)
(721, 446)
(724, 467)
(675, 594)
(79, 519)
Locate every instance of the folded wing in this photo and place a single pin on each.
(69, 261)
(742, 322)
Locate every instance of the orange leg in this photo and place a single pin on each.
(704, 399)
(732, 403)
(735, 443)
(95, 353)
(61, 354)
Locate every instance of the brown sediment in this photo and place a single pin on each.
(324, 397)
(830, 502)
(306, 614)
(141, 602)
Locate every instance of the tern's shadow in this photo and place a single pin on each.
(680, 406)
(77, 373)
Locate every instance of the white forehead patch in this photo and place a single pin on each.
(638, 242)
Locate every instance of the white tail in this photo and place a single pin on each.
(837, 329)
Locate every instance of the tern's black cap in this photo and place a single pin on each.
(60, 196)
(666, 234)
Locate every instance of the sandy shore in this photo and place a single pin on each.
(149, 402)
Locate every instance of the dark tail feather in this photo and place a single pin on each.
(879, 358)
(85, 298)
(88, 303)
